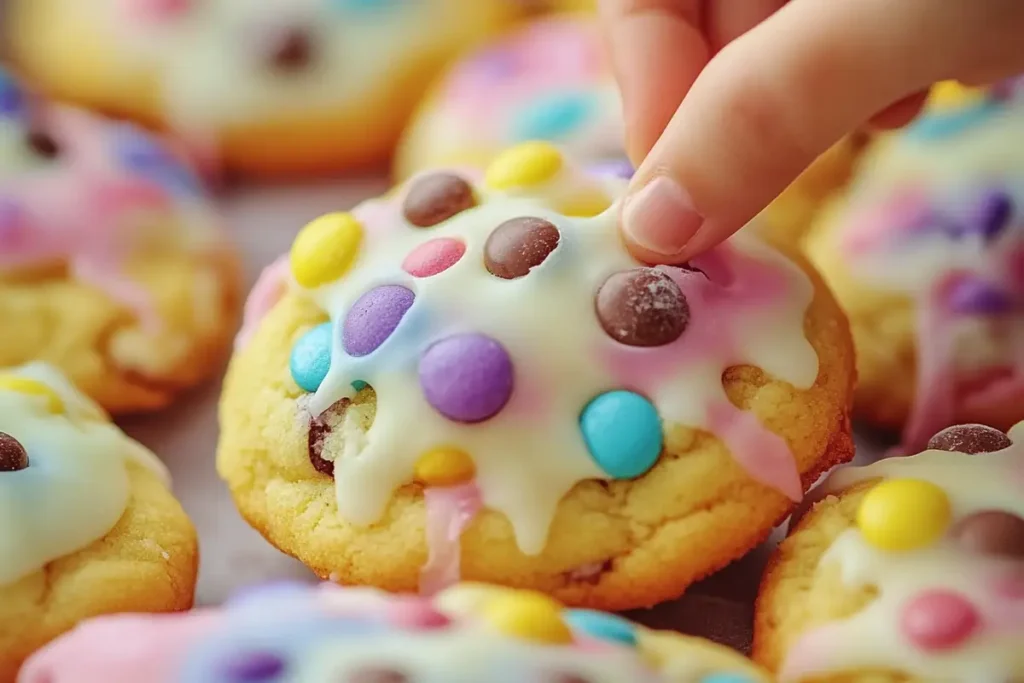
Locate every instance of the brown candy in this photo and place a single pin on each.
(377, 675)
(13, 456)
(971, 439)
(519, 244)
(642, 307)
(291, 50)
(992, 532)
(437, 197)
(43, 144)
(319, 429)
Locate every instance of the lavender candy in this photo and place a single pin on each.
(975, 296)
(994, 214)
(616, 168)
(467, 377)
(374, 317)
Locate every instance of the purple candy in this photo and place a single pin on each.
(467, 377)
(374, 317)
(253, 667)
(974, 296)
(284, 589)
(994, 214)
(620, 168)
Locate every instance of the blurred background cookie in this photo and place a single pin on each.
(326, 634)
(926, 253)
(88, 525)
(475, 411)
(909, 570)
(112, 261)
(276, 87)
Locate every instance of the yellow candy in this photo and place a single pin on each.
(904, 514)
(530, 163)
(469, 598)
(527, 615)
(585, 205)
(325, 249)
(953, 95)
(32, 387)
(444, 467)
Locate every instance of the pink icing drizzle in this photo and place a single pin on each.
(735, 284)
(449, 512)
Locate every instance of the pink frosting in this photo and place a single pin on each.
(120, 649)
(763, 454)
(450, 510)
(270, 287)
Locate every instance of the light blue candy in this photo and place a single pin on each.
(726, 677)
(622, 430)
(362, 6)
(553, 118)
(601, 626)
(311, 357)
(940, 125)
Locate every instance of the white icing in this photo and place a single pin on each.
(76, 486)
(532, 453)
(872, 638)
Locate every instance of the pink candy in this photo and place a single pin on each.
(417, 614)
(433, 257)
(939, 620)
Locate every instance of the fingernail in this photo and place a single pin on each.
(661, 217)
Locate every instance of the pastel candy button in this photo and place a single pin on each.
(374, 317)
(976, 296)
(467, 378)
(325, 249)
(726, 677)
(311, 357)
(601, 626)
(12, 99)
(525, 165)
(35, 389)
(529, 616)
(903, 514)
(433, 257)
(554, 117)
(938, 620)
(622, 431)
(444, 467)
(253, 667)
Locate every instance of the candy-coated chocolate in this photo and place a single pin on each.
(623, 433)
(325, 249)
(938, 620)
(972, 439)
(642, 307)
(434, 257)
(904, 514)
(436, 197)
(554, 117)
(519, 245)
(444, 467)
(976, 296)
(526, 165)
(992, 532)
(13, 456)
(374, 317)
(467, 377)
(311, 357)
(530, 616)
(32, 387)
(601, 625)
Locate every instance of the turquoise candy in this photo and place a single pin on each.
(553, 118)
(311, 357)
(622, 430)
(601, 626)
(727, 677)
(365, 6)
(939, 125)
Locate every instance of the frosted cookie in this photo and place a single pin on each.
(474, 379)
(926, 253)
(87, 523)
(112, 260)
(326, 634)
(548, 80)
(908, 570)
(272, 87)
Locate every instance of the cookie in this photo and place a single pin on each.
(113, 265)
(267, 88)
(908, 570)
(88, 525)
(792, 213)
(548, 80)
(925, 250)
(471, 378)
(325, 634)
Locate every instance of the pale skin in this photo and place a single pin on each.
(727, 101)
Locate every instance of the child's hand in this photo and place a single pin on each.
(768, 86)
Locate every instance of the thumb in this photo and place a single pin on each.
(774, 99)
